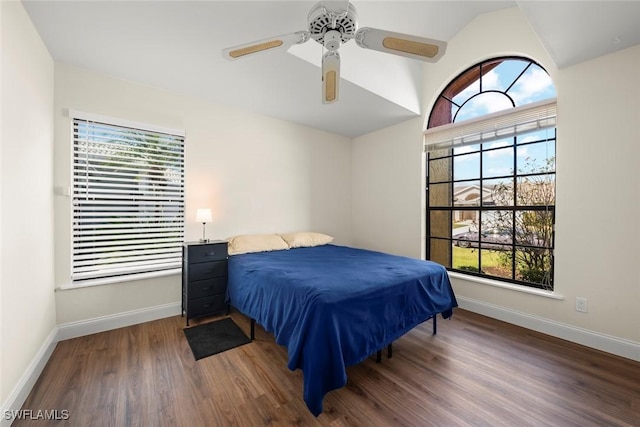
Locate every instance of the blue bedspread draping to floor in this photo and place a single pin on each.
(332, 306)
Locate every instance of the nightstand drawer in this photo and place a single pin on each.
(205, 253)
(207, 270)
(204, 278)
(209, 287)
(202, 306)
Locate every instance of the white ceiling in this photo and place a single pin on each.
(176, 45)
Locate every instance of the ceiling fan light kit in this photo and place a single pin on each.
(331, 24)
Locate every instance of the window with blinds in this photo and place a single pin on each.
(128, 200)
(491, 173)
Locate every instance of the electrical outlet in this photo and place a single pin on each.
(581, 304)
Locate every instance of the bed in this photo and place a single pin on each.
(333, 306)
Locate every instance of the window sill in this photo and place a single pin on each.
(504, 285)
(119, 279)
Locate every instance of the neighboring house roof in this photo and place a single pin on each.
(471, 193)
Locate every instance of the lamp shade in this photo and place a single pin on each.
(203, 215)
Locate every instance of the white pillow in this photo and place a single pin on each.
(306, 239)
(248, 243)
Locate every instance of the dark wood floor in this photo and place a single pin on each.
(475, 372)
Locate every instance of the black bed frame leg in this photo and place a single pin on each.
(435, 324)
(389, 353)
(253, 329)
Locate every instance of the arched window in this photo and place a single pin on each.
(491, 133)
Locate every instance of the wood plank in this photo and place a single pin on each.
(475, 371)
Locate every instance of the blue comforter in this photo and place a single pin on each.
(332, 306)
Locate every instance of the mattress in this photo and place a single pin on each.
(333, 306)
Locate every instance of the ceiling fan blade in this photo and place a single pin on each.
(330, 76)
(278, 42)
(420, 48)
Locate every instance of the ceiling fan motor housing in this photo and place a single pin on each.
(332, 40)
(327, 17)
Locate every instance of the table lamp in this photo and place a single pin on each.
(203, 216)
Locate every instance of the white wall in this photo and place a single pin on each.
(258, 174)
(598, 185)
(388, 189)
(598, 216)
(27, 307)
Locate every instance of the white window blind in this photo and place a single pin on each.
(493, 127)
(128, 200)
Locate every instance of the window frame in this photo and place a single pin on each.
(152, 262)
(439, 116)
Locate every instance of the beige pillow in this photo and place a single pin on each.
(306, 239)
(248, 243)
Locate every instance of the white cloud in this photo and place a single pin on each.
(466, 149)
(531, 85)
(491, 80)
(484, 103)
(498, 171)
(500, 144)
(522, 151)
(529, 138)
(474, 158)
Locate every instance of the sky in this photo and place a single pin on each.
(534, 85)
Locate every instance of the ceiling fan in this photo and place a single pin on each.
(333, 23)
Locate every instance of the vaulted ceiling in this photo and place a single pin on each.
(176, 45)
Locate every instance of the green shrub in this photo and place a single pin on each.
(533, 275)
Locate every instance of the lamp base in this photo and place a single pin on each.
(204, 239)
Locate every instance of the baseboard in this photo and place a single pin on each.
(114, 321)
(70, 330)
(610, 344)
(21, 391)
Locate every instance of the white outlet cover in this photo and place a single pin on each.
(581, 305)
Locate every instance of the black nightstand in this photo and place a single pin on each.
(204, 278)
